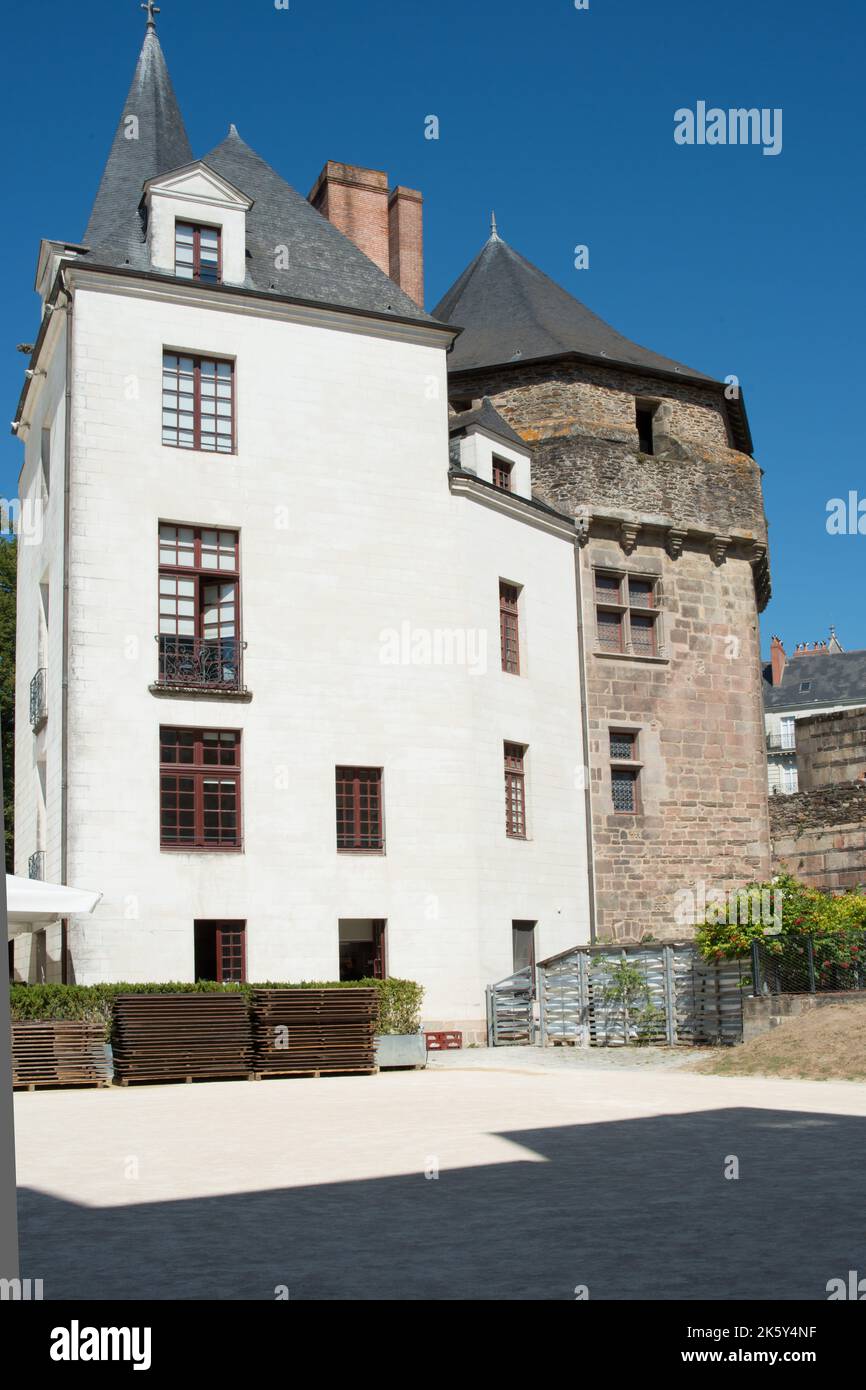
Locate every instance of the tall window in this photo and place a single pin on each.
(502, 474)
(220, 951)
(200, 789)
(197, 252)
(626, 614)
(624, 771)
(509, 627)
(199, 582)
(198, 403)
(359, 808)
(515, 791)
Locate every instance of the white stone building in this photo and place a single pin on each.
(818, 678)
(298, 664)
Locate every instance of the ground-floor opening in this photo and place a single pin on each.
(362, 948)
(220, 951)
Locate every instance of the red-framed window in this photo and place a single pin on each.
(515, 791)
(198, 403)
(509, 626)
(502, 474)
(220, 951)
(198, 252)
(199, 606)
(360, 824)
(627, 615)
(199, 789)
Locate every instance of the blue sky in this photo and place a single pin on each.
(721, 257)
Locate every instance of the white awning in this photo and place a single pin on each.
(30, 903)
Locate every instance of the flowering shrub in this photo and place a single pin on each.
(833, 922)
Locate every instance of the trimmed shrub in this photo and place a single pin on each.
(399, 1000)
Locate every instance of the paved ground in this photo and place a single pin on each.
(549, 1177)
(569, 1058)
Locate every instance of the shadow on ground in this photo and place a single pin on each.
(635, 1209)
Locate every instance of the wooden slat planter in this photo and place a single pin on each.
(181, 1037)
(311, 1032)
(60, 1053)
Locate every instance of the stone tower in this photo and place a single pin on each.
(653, 459)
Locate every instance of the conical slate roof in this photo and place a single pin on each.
(283, 229)
(160, 144)
(510, 311)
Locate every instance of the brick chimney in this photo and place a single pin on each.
(778, 660)
(406, 239)
(386, 226)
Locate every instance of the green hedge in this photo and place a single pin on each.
(833, 920)
(399, 1000)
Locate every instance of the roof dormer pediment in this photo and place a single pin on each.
(198, 183)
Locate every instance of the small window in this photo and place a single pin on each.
(502, 474)
(220, 951)
(199, 789)
(515, 791)
(624, 780)
(359, 808)
(805, 686)
(509, 627)
(627, 615)
(197, 252)
(198, 403)
(623, 745)
(45, 457)
(644, 419)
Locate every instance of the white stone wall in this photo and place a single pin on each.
(350, 538)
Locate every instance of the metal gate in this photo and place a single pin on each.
(511, 1010)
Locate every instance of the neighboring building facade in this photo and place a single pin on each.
(359, 640)
(819, 678)
(819, 833)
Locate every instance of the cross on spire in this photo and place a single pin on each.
(152, 12)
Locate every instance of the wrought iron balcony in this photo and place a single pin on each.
(38, 699)
(200, 664)
(36, 865)
(781, 743)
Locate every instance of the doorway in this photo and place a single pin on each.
(362, 948)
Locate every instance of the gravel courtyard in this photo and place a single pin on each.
(552, 1174)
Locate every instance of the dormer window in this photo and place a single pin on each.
(198, 252)
(502, 473)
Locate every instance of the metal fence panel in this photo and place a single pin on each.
(510, 1010)
(616, 995)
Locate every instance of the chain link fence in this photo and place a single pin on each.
(809, 964)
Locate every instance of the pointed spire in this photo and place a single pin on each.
(150, 139)
(494, 233)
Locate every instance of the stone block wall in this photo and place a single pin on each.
(831, 748)
(820, 835)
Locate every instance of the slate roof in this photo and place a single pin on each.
(115, 232)
(510, 311)
(835, 678)
(486, 417)
(323, 264)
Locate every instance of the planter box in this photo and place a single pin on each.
(400, 1050)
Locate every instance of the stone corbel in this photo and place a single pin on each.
(582, 519)
(719, 547)
(628, 531)
(674, 542)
